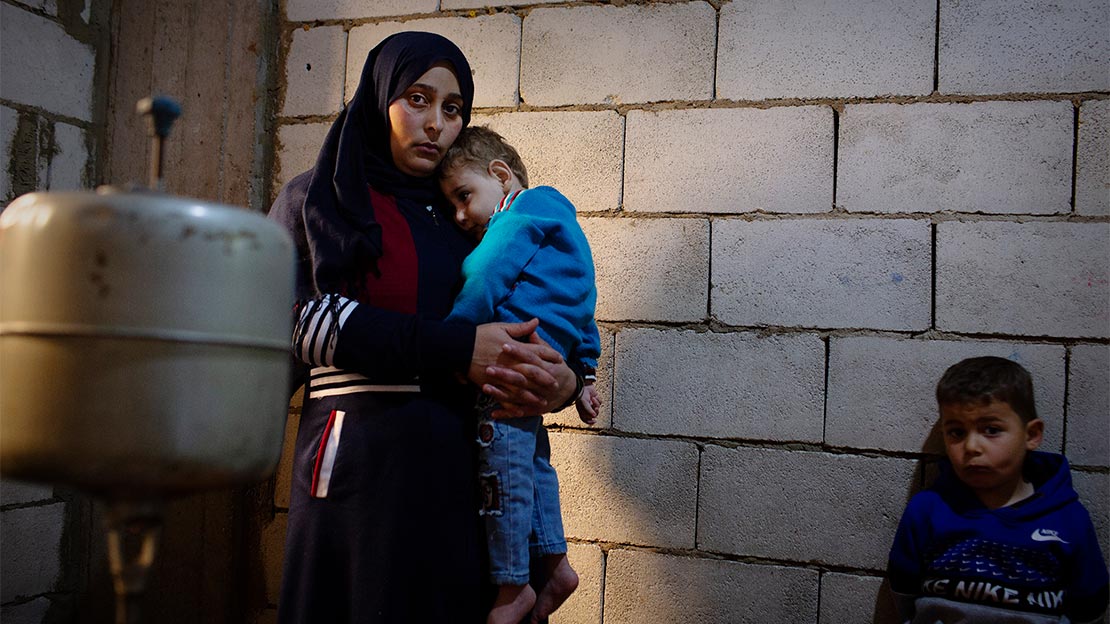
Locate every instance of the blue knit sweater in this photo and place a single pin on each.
(535, 262)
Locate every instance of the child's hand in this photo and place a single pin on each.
(588, 404)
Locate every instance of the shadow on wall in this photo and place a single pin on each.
(637, 498)
(886, 610)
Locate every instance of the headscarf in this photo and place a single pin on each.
(338, 219)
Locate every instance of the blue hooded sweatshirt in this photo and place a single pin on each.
(1034, 561)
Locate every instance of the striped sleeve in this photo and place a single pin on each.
(317, 329)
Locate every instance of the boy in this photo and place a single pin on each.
(532, 261)
(1001, 537)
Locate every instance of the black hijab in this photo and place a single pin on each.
(339, 223)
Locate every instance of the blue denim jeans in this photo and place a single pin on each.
(520, 495)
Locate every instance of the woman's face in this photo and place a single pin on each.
(424, 121)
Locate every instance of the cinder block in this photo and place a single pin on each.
(1028, 279)
(993, 157)
(618, 54)
(70, 159)
(14, 492)
(578, 152)
(1092, 177)
(1088, 442)
(297, 149)
(800, 505)
(1094, 492)
(584, 605)
(882, 391)
(31, 543)
(32, 612)
(650, 269)
(284, 482)
(648, 588)
(627, 490)
(806, 49)
(851, 599)
(314, 71)
(491, 44)
(569, 417)
(858, 273)
(706, 384)
(273, 555)
(730, 160)
(1023, 46)
(309, 10)
(43, 66)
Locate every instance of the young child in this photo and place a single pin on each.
(532, 261)
(1001, 537)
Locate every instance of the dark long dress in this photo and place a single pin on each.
(397, 536)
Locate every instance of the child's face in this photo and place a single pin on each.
(474, 192)
(986, 444)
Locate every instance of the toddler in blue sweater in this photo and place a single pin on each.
(532, 261)
(1001, 536)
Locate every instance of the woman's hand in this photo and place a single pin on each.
(527, 378)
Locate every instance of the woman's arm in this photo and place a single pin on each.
(330, 330)
(389, 347)
(525, 377)
(385, 346)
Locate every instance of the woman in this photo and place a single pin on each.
(383, 523)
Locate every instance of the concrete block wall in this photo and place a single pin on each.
(801, 213)
(48, 52)
(46, 99)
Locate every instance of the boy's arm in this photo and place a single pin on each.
(1089, 592)
(589, 349)
(905, 564)
(491, 270)
(585, 356)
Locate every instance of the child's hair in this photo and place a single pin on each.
(980, 380)
(478, 145)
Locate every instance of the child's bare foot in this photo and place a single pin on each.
(512, 604)
(562, 580)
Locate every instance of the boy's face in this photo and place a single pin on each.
(474, 192)
(986, 444)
